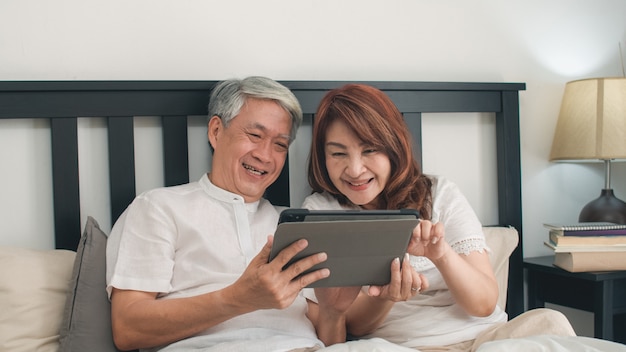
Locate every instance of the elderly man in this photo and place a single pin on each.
(187, 266)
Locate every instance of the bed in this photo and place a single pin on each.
(62, 103)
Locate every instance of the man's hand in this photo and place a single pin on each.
(266, 285)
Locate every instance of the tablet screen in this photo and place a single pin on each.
(360, 244)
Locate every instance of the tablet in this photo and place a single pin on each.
(360, 244)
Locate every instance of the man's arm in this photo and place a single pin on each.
(139, 320)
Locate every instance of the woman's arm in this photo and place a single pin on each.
(471, 281)
(370, 309)
(328, 315)
(469, 278)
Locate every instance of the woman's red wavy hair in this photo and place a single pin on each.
(374, 118)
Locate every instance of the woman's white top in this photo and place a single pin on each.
(432, 318)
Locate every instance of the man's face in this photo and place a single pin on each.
(250, 153)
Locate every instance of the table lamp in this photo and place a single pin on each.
(592, 127)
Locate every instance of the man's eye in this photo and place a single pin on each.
(254, 136)
(282, 146)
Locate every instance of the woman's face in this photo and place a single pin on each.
(357, 169)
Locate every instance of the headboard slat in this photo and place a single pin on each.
(65, 186)
(414, 122)
(278, 193)
(121, 163)
(175, 150)
(509, 172)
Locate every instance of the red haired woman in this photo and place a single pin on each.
(361, 158)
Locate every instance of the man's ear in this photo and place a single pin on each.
(214, 129)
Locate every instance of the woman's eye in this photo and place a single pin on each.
(369, 151)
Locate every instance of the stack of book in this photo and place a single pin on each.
(594, 246)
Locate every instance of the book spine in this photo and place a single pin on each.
(590, 226)
(615, 232)
(558, 239)
(589, 261)
(578, 248)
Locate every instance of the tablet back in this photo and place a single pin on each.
(359, 252)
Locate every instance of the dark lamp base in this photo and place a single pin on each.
(606, 208)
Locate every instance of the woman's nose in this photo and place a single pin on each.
(355, 167)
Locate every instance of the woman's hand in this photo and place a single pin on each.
(428, 240)
(370, 309)
(405, 282)
(469, 277)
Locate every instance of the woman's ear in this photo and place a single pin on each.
(214, 129)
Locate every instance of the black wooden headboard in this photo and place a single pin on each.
(120, 101)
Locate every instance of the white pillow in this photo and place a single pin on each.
(502, 241)
(33, 288)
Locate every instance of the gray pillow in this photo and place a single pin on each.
(86, 324)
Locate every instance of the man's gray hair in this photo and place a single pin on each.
(229, 96)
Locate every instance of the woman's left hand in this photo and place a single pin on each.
(428, 240)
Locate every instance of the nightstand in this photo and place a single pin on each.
(602, 293)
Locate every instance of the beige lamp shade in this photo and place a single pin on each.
(592, 121)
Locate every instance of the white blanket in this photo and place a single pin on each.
(550, 343)
(367, 345)
(539, 343)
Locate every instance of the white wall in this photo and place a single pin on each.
(542, 43)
